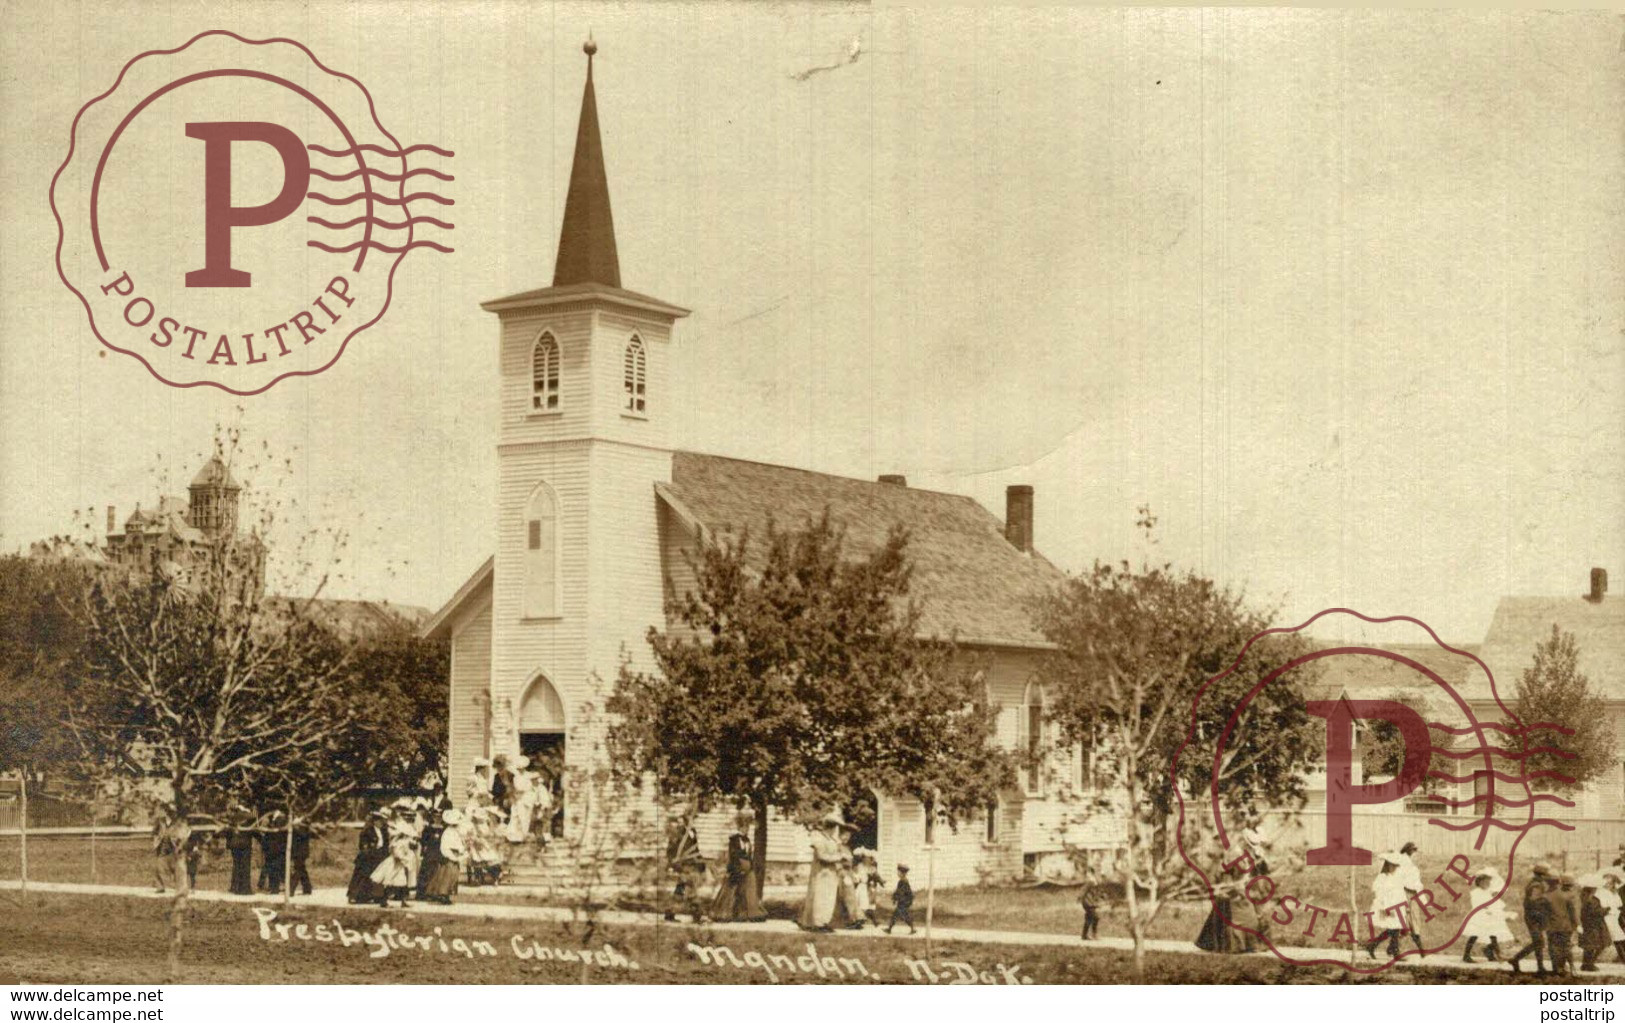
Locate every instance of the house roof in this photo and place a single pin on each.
(214, 474)
(1522, 623)
(971, 582)
(358, 619)
(438, 625)
(1364, 676)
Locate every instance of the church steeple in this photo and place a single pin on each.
(587, 240)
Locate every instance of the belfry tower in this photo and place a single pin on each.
(583, 441)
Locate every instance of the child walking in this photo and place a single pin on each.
(902, 901)
(1092, 898)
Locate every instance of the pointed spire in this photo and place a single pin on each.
(587, 240)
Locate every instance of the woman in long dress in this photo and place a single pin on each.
(394, 874)
(240, 843)
(523, 806)
(829, 856)
(1489, 923)
(736, 898)
(440, 879)
(371, 848)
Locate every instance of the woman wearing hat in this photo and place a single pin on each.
(736, 897)
(371, 848)
(1488, 922)
(830, 855)
(1537, 913)
(1388, 898)
(443, 860)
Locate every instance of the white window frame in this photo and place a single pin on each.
(634, 379)
(546, 368)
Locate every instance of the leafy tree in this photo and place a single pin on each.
(1134, 649)
(397, 684)
(1553, 690)
(795, 678)
(40, 642)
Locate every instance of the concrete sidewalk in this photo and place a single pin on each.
(475, 909)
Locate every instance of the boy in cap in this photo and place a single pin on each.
(1536, 912)
(902, 901)
(1564, 921)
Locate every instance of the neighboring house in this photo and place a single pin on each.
(597, 513)
(1520, 625)
(1598, 624)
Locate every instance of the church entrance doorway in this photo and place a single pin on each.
(541, 738)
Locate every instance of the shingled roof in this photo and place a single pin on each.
(1522, 623)
(971, 582)
(1366, 676)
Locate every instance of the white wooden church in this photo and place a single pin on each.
(596, 509)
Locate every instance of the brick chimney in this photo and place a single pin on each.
(1599, 585)
(1018, 517)
(894, 479)
(111, 521)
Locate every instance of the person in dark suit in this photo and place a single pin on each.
(371, 848)
(274, 849)
(1593, 922)
(240, 843)
(1093, 897)
(1563, 922)
(736, 897)
(1536, 913)
(300, 853)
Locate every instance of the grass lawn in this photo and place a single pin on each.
(127, 860)
(67, 939)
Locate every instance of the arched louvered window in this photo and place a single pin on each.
(544, 375)
(635, 373)
(541, 554)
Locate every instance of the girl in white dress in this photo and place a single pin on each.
(1388, 898)
(1609, 895)
(1489, 917)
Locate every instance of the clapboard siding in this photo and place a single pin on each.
(627, 596)
(554, 647)
(470, 677)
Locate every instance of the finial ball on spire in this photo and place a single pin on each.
(589, 47)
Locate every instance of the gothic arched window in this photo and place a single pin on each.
(1030, 738)
(544, 375)
(633, 383)
(541, 554)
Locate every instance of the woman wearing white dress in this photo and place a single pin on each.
(524, 801)
(1388, 900)
(1489, 923)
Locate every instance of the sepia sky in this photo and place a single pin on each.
(1339, 295)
